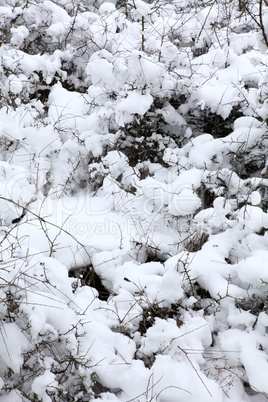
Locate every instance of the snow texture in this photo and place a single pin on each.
(133, 201)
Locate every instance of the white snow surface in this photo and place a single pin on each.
(133, 201)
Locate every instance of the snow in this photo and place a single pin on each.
(65, 106)
(42, 383)
(134, 103)
(133, 210)
(101, 72)
(14, 84)
(13, 343)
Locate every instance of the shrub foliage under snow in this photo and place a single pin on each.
(133, 200)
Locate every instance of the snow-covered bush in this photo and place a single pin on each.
(133, 197)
